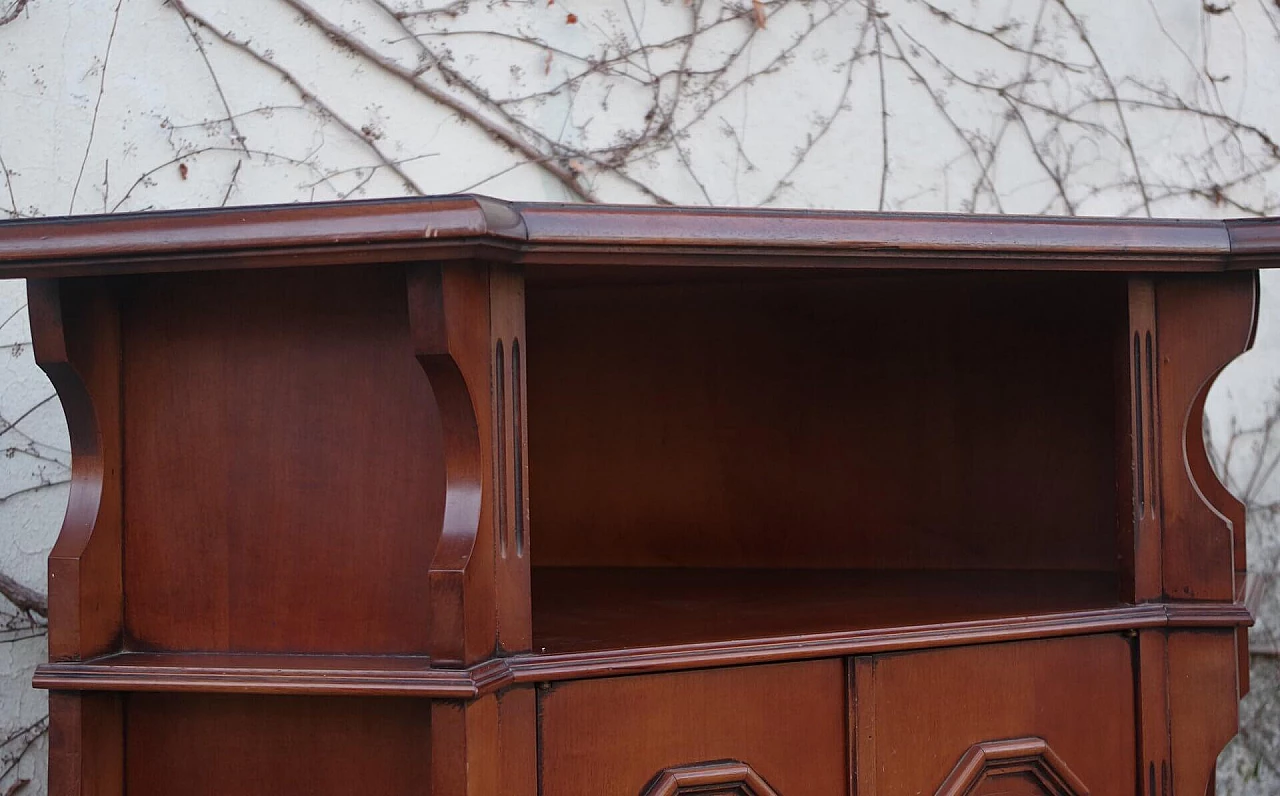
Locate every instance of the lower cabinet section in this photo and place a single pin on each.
(1031, 718)
(319, 746)
(755, 730)
(1053, 717)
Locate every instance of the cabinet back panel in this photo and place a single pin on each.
(221, 745)
(919, 421)
(282, 490)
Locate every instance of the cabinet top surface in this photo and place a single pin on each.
(545, 234)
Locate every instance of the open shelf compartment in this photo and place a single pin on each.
(804, 453)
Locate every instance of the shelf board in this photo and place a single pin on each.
(336, 675)
(586, 609)
(599, 622)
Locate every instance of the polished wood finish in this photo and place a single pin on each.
(786, 721)
(728, 778)
(462, 497)
(77, 339)
(217, 556)
(1074, 697)
(1020, 766)
(86, 744)
(582, 609)
(471, 227)
(213, 745)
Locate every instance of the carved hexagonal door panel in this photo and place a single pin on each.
(725, 778)
(1017, 767)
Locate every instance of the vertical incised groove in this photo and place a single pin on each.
(1139, 430)
(1151, 422)
(517, 445)
(500, 455)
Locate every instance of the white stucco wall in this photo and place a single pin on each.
(1061, 106)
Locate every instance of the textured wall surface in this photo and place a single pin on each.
(1049, 106)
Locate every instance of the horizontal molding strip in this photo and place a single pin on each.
(413, 676)
(464, 227)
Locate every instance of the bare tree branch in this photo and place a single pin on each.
(10, 14)
(23, 597)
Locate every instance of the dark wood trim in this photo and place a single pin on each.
(224, 231)
(1151, 664)
(930, 233)
(348, 675)
(608, 663)
(414, 676)
(862, 718)
(459, 227)
(1030, 756)
(1255, 242)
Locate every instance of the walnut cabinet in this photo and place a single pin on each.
(458, 497)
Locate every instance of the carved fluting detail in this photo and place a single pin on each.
(1017, 767)
(724, 778)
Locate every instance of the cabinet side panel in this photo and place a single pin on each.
(86, 744)
(282, 448)
(1203, 705)
(221, 745)
(1204, 323)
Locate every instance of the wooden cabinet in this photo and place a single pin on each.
(460, 497)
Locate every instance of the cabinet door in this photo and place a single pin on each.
(763, 730)
(1033, 718)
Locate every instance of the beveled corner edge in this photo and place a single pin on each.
(1255, 242)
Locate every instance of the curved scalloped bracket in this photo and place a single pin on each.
(720, 778)
(76, 335)
(1021, 766)
(449, 329)
(1203, 324)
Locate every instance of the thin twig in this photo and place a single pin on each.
(97, 106)
(236, 136)
(1111, 87)
(338, 35)
(307, 95)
